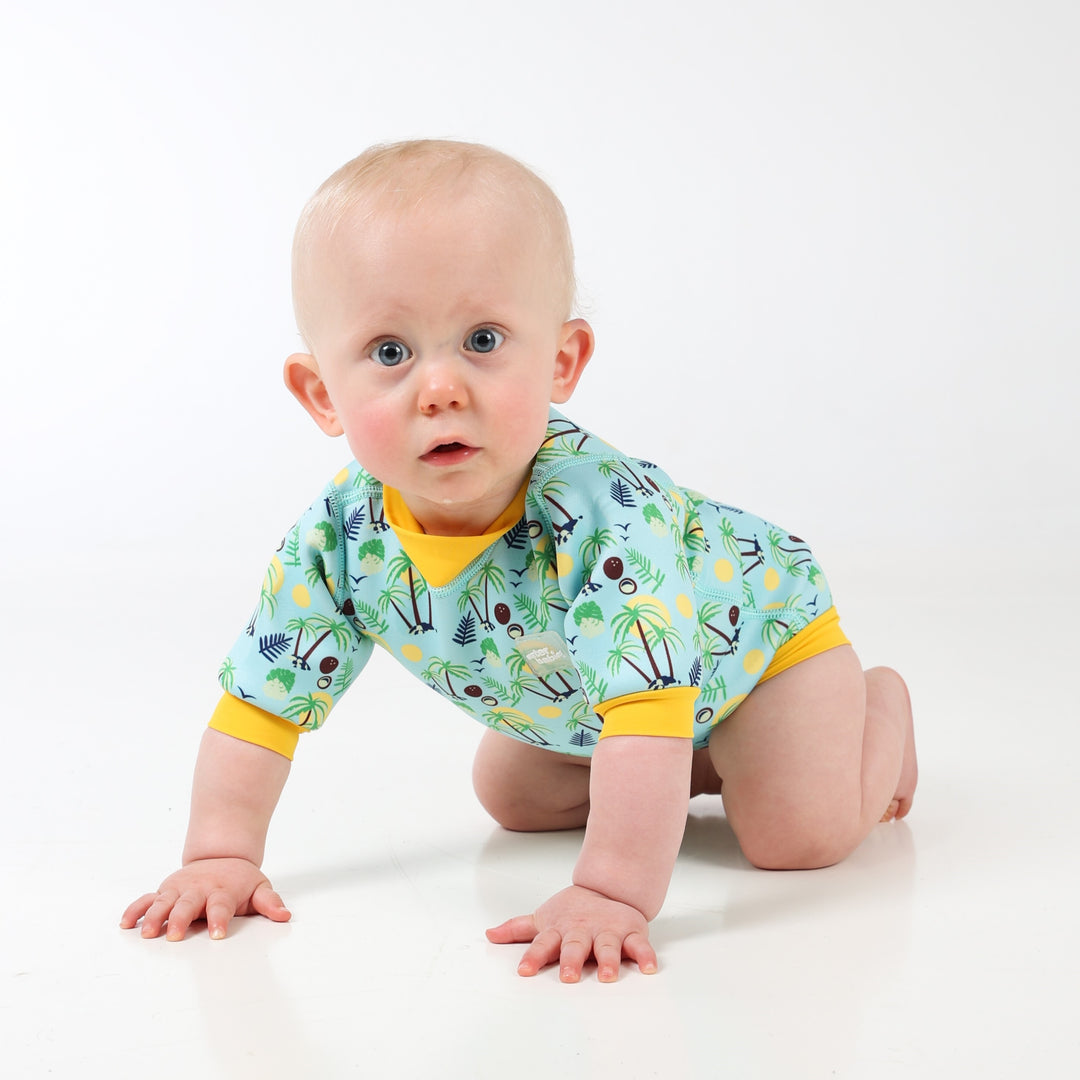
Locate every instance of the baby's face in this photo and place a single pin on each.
(438, 337)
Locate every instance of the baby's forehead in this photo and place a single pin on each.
(398, 188)
(409, 197)
(373, 236)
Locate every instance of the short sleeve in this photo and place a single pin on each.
(301, 650)
(621, 565)
(244, 721)
(667, 712)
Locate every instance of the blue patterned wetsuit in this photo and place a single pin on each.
(617, 600)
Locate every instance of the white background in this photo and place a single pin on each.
(830, 250)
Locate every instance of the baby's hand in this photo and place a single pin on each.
(572, 926)
(215, 888)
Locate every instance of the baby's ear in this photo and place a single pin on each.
(303, 379)
(576, 343)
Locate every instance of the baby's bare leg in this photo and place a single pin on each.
(881, 687)
(814, 758)
(528, 789)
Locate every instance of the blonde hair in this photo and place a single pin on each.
(400, 176)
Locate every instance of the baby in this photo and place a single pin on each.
(628, 643)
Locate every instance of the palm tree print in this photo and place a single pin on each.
(646, 622)
(713, 688)
(621, 654)
(551, 693)
(393, 596)
(301, 627)
(401, 566)
(581, 733)
(776, 632)
(565, 527)
(344, 676)
(537, 614)
(310, 710)
(501, 691)
(268, 604)
(624, 472)
(541, 561)
(227, 674)
(596, 689)
(533, 613)
(378, 521)
(790, 558)
(524, 727)
(727, 538)
(564, 430)
(592, 547)
(708, 615)
(366, 617)
(444, 669)
(291, 550)
(665, 634)
(316, 573)
(754, 549)
(694, 536)
(339, 630)
(490, 576)
(645, 569)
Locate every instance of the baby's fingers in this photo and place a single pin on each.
(267, 902)
(153, 921)
(136, 910)
(514, 931)
(608, 949)
(220, 908)
(189, 907)
(573, 953)
(544, 950)
(638, 949)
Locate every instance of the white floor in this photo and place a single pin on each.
(947, 946)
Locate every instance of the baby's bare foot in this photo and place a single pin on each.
(909, 770)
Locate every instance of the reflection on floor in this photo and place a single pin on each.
(945, 946)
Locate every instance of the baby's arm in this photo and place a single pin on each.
(235, 790)
(639, 793)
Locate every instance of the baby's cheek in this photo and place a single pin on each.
(525, 425)
(373, 438)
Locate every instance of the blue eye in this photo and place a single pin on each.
(484, 340)
(390, 353)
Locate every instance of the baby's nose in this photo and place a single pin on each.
(442, 384)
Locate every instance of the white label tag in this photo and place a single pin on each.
(544, 653)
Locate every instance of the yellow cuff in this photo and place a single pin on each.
(652, 712)
(818, 636)
(251, 724)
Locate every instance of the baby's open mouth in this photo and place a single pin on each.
(450, 452)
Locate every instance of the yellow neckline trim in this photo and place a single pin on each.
(441, 558)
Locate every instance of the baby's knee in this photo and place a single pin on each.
(526, 789)
(502, 804)
(795, 848)
(492, 791)
(884, 686)
(525, 810)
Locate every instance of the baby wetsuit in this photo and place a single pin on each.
(605, 600)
